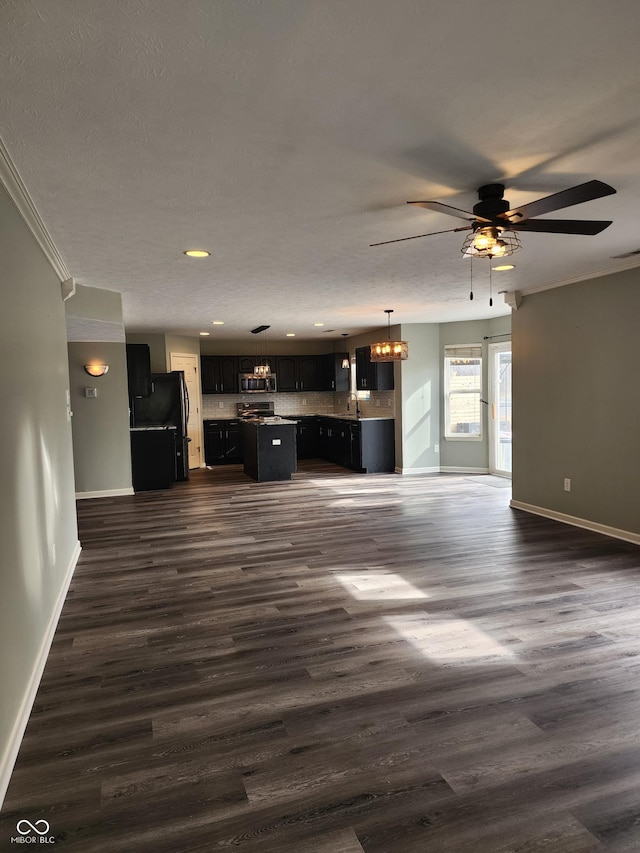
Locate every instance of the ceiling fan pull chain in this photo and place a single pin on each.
(490, 284)
(471, 285)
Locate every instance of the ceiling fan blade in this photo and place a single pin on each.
(562, 226)
(565, 198)
(448, 209)
(415, 237)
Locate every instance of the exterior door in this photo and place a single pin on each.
(500, 409)
(188, 363)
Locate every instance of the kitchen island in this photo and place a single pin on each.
(269, 446)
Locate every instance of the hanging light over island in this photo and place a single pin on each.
(389, 350)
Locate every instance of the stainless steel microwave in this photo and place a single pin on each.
(249, 383)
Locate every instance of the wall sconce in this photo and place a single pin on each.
(96, 369)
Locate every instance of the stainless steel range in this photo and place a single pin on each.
(259, 409)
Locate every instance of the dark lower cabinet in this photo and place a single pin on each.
(153, 458)
(222, 442)
(269, 451)
(307, 437)
(366, 445)
(373, 446)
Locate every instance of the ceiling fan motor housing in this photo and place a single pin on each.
(491, 202)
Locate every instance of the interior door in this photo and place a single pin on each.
(500, 433)
(188, 363)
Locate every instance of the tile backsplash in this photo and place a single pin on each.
(380, 404)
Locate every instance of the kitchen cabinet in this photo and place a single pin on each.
(298, 372)
(153, 457)
(219, 374)
(334, 377)
(372, 375)
(366, 445)
(222, 441)
(138, 370)
(373, 445)
(269, 450)
(247, 363)
(307, 437)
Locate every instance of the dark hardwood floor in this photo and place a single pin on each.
(337, 664)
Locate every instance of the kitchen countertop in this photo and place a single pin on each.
(270, 421)
(293, 418)
(146, 428)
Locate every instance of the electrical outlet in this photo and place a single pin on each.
(220, 405)
(436, 448)
(378, 402)
(567, 484)
(389, 402)
(304, 402)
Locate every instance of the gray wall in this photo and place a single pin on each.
(38, 533)
(417, 383)
(576, 400)
(101, 448)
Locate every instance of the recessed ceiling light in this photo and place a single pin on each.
(318, 324)
(291, 334)
(504, 267)
(218, 323)
(197, 253)
(205, 333)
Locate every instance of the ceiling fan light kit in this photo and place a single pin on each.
(493, 222)
(389, 350)
(490, 243)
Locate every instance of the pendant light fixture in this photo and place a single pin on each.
(490, 242)
(261, 367)
(346, 363)
(389, 350)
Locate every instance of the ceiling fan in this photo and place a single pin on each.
(494, 223)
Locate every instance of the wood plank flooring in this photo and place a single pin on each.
(337, 664)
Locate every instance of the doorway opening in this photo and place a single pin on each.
(500, 430)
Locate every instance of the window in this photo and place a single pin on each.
(463, 392)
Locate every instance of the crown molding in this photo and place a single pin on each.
(630, 265)
(14, 185)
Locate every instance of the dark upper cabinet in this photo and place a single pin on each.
(372, 375)
(309, 373)
(138, 370)
(219, 374)
(246, 363)
(335, 377)
(299, 372)
(286, 372)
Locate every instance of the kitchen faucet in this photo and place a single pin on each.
(354, 396)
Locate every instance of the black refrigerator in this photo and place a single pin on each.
(167, 405)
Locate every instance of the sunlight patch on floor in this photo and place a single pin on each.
(376, 586)
(445, 640)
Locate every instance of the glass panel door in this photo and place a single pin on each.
(500, 408)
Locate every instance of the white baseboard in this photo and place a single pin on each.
(625, 535)
(8, 759)
(450, 469)
(407, 471)
(105, 493)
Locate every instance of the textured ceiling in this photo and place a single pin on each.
(286, 136)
